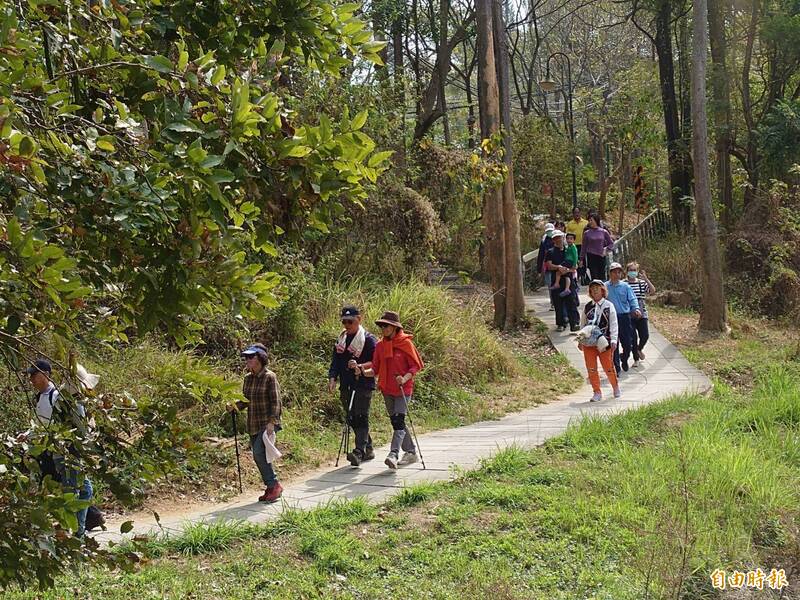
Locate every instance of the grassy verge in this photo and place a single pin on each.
(643, 505)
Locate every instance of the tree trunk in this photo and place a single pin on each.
(444, 69)
(399, 88)
(751, 163)
(712, 314)
(515, 295)
(721, 107)
(680, 176)
(489, 109)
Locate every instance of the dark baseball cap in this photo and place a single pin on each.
(40, 366)
(350, 311)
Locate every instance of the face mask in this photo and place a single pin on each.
(633, 274)
(548, 234)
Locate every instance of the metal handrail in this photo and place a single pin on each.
(655, 224)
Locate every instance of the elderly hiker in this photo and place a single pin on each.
(49, 409)
(353, 350)
(544, 246)
(624, 300)
(263, 405)
(395, 363)
(566, 307)
(599, 344)
(641, 286)
(596, 243)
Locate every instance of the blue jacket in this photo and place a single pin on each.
(622, 297)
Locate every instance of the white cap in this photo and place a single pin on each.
(614, 266)
(558, 233)
(549, 227)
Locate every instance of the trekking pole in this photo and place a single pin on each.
(236, 444)
(346, 430)
(413, 433)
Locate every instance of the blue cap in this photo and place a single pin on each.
(252, 350)
(40, 366)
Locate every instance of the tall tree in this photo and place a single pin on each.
(515, 296)
(489, 110)
(721, 106)
(712, 314)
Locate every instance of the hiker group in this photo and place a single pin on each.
(360, 363)
(613, 325)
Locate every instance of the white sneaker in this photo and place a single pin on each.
(636, 364)
(391, 460)
(409, 458)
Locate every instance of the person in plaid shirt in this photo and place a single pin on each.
(263, 414)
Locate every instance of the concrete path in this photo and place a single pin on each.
(665, 372)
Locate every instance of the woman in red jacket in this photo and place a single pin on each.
(395, 362)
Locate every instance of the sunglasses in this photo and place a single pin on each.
(386, 326)
(348, 321)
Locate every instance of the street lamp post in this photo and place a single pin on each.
(549, 85)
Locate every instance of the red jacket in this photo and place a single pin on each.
(394, 357)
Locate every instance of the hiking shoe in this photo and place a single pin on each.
(641, 354)
(596, 397)
(391, 460)
(409, 458)
(354, 457)
(272, 494)
(617, 393)
(368, 455)
(560, 328)
(624, 366)
(565, 293)
(574, 328)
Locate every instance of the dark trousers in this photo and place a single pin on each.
(596, 265)
(265, 468)
(566, 308)
(625, 341)
(581, 270)
(641, 333)
(359, 415)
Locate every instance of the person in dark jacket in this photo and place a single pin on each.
(352, 353)
(544, 246)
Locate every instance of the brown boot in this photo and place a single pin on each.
(271, 494)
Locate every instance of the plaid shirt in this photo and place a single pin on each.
(264, 400)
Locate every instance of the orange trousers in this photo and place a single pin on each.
(590, 356)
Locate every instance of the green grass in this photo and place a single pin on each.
(644, 504)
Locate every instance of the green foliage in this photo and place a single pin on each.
(150, 159)
(779, 139)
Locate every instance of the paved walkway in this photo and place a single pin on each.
(665, 372)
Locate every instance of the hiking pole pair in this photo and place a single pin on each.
(236, 443)
(411, 423)
(345, 441)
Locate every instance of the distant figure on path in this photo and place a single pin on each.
(641, 286)
(566, 307)
(600, 313)
(566, 287)
(624, 300)
(544, 246)
(576, 227)
(353, 350)
(395, 363)
(263, 405)
(596, 244)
